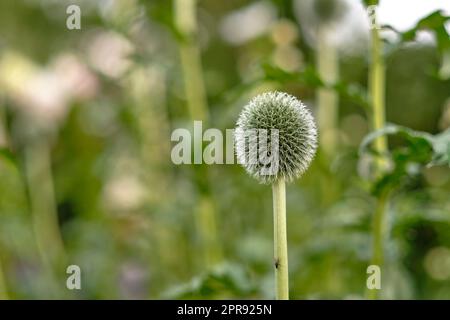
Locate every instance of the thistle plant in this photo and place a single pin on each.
(292, 148)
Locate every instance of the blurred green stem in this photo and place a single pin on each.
(3, 130)
(327, 99)
(186, 22)
(3, 289)
(377, 93)
(194, 86)
(42, 203)
(280, 240)
(378, 236)
(211, 248)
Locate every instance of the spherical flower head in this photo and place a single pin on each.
(286, 136)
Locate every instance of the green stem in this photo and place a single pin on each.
(42, 203)
(327, 99)
(377, 85)
(377, 93)
(378, 236)
(211, 247)
(3, 289)
(280, 240)
(3, 130)
(186, 22)
(194, 86)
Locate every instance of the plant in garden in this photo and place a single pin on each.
(190, 58)
(328, 25)
(419, 150)
(296, 146)
(377, 87)
(420, 144)
(41, 102)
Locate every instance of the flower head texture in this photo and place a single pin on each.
(293, 144)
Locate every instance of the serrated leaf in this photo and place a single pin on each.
(407, 161)
(393, 129)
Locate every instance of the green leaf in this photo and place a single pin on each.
(393, 129)
(420, 149)
(309, 77)
(223, 281)
(434, 22)
(441, 147)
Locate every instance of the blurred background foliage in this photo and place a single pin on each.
(86, 176)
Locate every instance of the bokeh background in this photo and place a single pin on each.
(86, 176)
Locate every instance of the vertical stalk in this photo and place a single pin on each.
(3, 143)
(378, 234)
(186, 23)
(3, 130)
(42, 203)
(206, 216)
(327, 98)
(194, 86)
(280, 240)
(377, 94)
(3, 289)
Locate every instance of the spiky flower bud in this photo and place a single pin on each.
(293, 146)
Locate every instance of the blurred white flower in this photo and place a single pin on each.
(77, 79)
(124, 193)
(43, 97)
(347, 28)
(37, 93)
(108, 53)
(43, 94)
(248, 23)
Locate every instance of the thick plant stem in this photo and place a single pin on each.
(378, 237)
(280, 240)
(377, 93)
(43, 206)
(3, 289)
(327, 99)
(194, 87)
(211, 247)
(3, 131)
(186, 22)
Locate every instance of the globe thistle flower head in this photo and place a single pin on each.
(287, 134)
